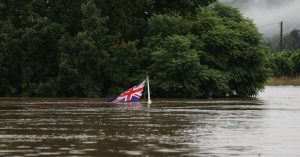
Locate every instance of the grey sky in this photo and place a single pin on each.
(267, 14)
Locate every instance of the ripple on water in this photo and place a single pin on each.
(65, 148)
(89, 150)
(49, 153)
(23, 147)
(43, 148)
(131, 152)
(77, 152)
(89, 142)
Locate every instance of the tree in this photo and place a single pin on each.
(176, 68)
(184, 7)
(282, 64)
(292, 40)
(232, 46)
(295, 57)
(82, 57)
(40, 56)
(190, 48)
(4, 82)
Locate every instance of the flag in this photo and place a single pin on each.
(131, 95)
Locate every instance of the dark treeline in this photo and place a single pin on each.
(86, 48)
(290, 41)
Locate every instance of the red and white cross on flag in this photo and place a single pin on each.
(131, 95)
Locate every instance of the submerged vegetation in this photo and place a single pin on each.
(190, 49)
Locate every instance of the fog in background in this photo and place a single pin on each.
(267, 14)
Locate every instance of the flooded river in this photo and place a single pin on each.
(269, 126)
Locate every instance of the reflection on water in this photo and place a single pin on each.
(267, 127)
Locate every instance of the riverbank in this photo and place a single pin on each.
(284, 81)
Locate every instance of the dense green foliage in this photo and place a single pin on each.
(189, 48)
(285, 63)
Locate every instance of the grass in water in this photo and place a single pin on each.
(284, 81)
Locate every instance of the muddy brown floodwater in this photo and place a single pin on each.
(267, 127)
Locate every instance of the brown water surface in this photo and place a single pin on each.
(269, 126)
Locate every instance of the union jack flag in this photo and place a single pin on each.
(131, 95)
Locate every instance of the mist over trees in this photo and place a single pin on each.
(267, 14)
(190, 49)
(290, 42)
(243, 4)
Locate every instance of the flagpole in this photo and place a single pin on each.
(148, 88)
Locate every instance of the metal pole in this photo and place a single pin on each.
(148, 88)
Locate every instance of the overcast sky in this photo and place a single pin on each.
(267, 14)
